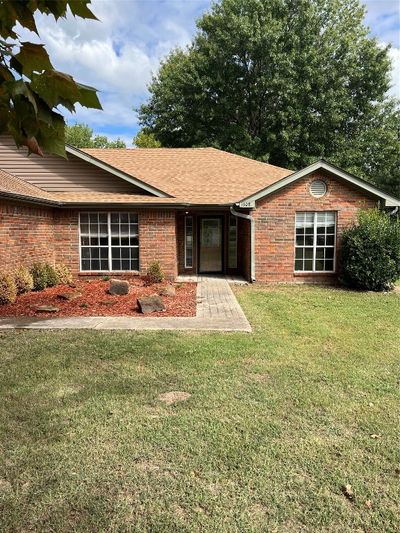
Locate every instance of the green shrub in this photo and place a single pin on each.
(51, 275)
(8, 289)
(370, 253)
(44, 275)
(155, 273)
(63, 274)
(23, 280)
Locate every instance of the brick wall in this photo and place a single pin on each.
(26, 234)
(275, 224)
(158, 240)
(29, 234)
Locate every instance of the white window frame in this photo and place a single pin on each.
(314, 247)
(187, 217)
(109, 246)
(231, 217)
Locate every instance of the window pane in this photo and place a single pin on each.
(320, 240)
(309, 240)
(329, 264)
(103, 218)
(329, 253)
(95, 264)
(308, 265)
(298, 264)
(84, 229)
(300, 240)
(124, 218)
(319, 264)
(299, 253)
(308, 253)
(85, 264)
(85, 253)
(84, 241)
(330, 240)
(116, 264)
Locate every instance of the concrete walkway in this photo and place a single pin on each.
(217, 310)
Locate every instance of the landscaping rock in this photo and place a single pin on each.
(168, 290)
(69, 295)
(173, 397)
(47, 309)
(150, 304)
(118, 287)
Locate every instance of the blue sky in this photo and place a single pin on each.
(119, 54)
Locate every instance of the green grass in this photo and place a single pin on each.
(277, 423)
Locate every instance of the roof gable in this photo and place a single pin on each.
(390, 201)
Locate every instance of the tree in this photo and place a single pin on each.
(81, 136)
(281, 81)
(146, 140)
(30, 88)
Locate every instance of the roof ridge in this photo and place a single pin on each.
(251, 159)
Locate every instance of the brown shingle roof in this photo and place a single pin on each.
(194, 175)
(10, 184)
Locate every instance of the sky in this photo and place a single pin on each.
(119, 54)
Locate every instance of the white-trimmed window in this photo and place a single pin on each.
(232, 242)
(109, 242)
(188, 242)
(315, 242)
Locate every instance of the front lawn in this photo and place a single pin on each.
(278, 422)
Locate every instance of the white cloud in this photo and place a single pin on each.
(118, 54)
(394, 54)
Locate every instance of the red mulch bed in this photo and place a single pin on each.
(95, 300)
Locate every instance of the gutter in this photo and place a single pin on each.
(252, 240)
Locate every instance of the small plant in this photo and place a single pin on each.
(8, 289)
(23, 280)
(44, 275)
(106, 278)
(39, 275)
(63, 274)
(155, 273)
(370, 255)
(51, 275)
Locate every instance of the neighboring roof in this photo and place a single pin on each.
(12, 186)
(390, 201)
(115, 171)
(201, 176)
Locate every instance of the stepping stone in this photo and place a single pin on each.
(150, 304)
(69, 295)
(47, 309)
(118, 287)
(168, 290)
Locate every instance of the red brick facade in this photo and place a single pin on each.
(275, 224)
(31, 233)
(26, 234)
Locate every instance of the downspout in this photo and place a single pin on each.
(395, 211)
(252, 240)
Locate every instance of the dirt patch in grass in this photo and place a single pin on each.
(172, 397)
(94, 300)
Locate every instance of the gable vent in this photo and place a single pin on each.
(318, 188)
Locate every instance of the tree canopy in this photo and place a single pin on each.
(284, 82)
(146, 140)
(31, 90)
(81, 136)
